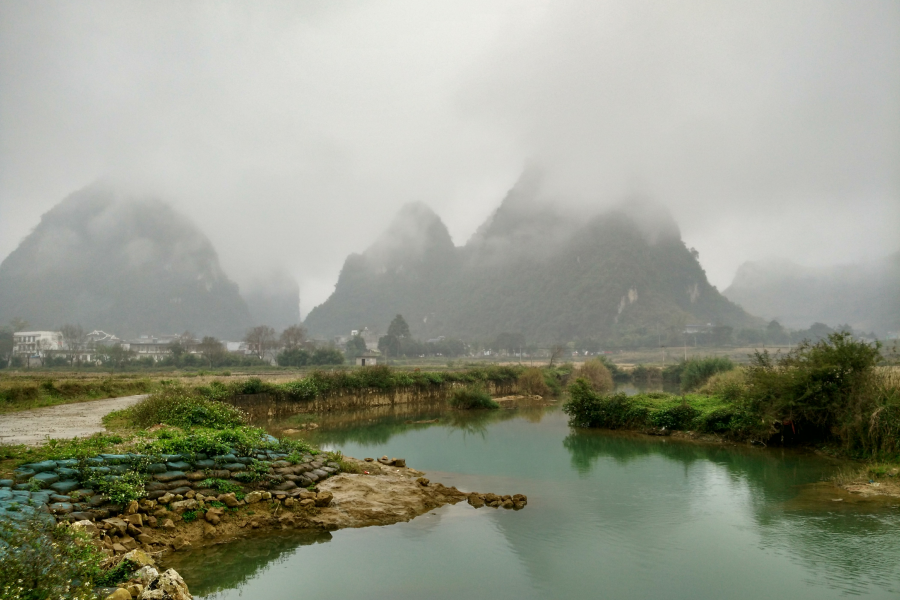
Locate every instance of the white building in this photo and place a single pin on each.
(35, 343)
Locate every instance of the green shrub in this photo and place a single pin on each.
(598, 375)
(677, 417)
(42, 561)
(645, 374)
(472, 397)
(729, 385)
(531, 381)
(178, 406)
(586, 408)
(696, 371)
(223, 486)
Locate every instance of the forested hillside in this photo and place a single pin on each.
(620, 274)
(126, 265)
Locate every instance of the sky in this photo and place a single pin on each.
(292, 132)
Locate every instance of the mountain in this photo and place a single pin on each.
(532, 268)
(274, 300)
(123, 264)
(865, 296)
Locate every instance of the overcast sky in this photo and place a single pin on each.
(292, 132)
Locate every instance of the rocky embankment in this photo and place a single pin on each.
(181, 511)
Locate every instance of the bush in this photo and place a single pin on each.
(175, 405)
(210, 441)
(296, 357)
(531, 381)
(41, 560)
(598, 375)
(586, 408)
(472, 397)
(729, 385)
(645, 374)
(696, 371)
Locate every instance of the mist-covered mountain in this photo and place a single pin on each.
(126, 265)
(865, 296)
(533, 269)
(274, 300)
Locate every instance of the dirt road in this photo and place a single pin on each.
(32, 427)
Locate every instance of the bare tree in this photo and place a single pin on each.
(211, 349)
(260, 339)
(293, 337)
(74, 339)
(556, 353)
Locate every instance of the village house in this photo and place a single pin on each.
(35, 343)
(367, 360)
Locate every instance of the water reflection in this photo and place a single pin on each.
(611, 514)
(229, 566)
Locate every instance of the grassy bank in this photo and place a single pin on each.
(26, 392)
(831, 394)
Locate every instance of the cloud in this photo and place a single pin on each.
(293, 132)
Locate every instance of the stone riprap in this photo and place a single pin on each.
(58, 487)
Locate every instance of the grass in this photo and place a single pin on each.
(27, 392)
(472, 397)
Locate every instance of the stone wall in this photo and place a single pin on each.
(56, 487)
(260, 407)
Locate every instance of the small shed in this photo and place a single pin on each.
(366, 360)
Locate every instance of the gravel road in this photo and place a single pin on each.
(32, 427)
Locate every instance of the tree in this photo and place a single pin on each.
(211, 349)
(398, 327)
(260, 339)
(6, 346)
(389, 345)
(74, 339)
(118, 355)
(355, 346)
(293, 337)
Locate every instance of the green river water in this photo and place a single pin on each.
(609, 516)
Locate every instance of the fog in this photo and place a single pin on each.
(292, 133)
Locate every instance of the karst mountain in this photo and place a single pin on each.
(548, 273)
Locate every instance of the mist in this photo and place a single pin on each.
(291, 134)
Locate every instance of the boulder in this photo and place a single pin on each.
(134, 589)
(253, 497)
(476, 501)
(324, 499)
(214, 515)
(146, 575)
(119, 594)
(168, 524)
(118, 524)
(229, 500)
(85, 527)
(131, 508)
(209, 530)
(140, 558)
(307, 503)
(166, 586)
(184, 506)
(135, 519)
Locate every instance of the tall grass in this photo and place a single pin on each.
(472, 397)
(532, 381)
(697, 371)
(182, 407)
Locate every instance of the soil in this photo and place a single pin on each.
(33, 427)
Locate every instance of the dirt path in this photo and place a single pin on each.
(32, 427)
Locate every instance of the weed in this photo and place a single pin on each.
(472, 397)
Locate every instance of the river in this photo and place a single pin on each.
(609, 515)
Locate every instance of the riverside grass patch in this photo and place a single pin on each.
(22, 392)
(472, 397)
(658, 410)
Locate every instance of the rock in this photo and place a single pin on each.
(134, 531)
(520, 498)
(253, 497)
(229, 500)
(290, 502)
(209, 531)
(119, 594)
(131, 508)
(214, 515)
(476, 501)
(307, 503)
(119, 548)
(369, 459)
(152, 521)
(145, 539)
(146, 575)
(129, 542)
(287, 485)
(140, 558)
(118, 524)
(86, 527)
(184, 506)
(168, 524)
(165, 499)
(135, 519)
(506, 504)
(399, 462)
(324, 499)
(134, 589)
(423, 481)
(179, 543)
(167, 586)
(491, 498)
